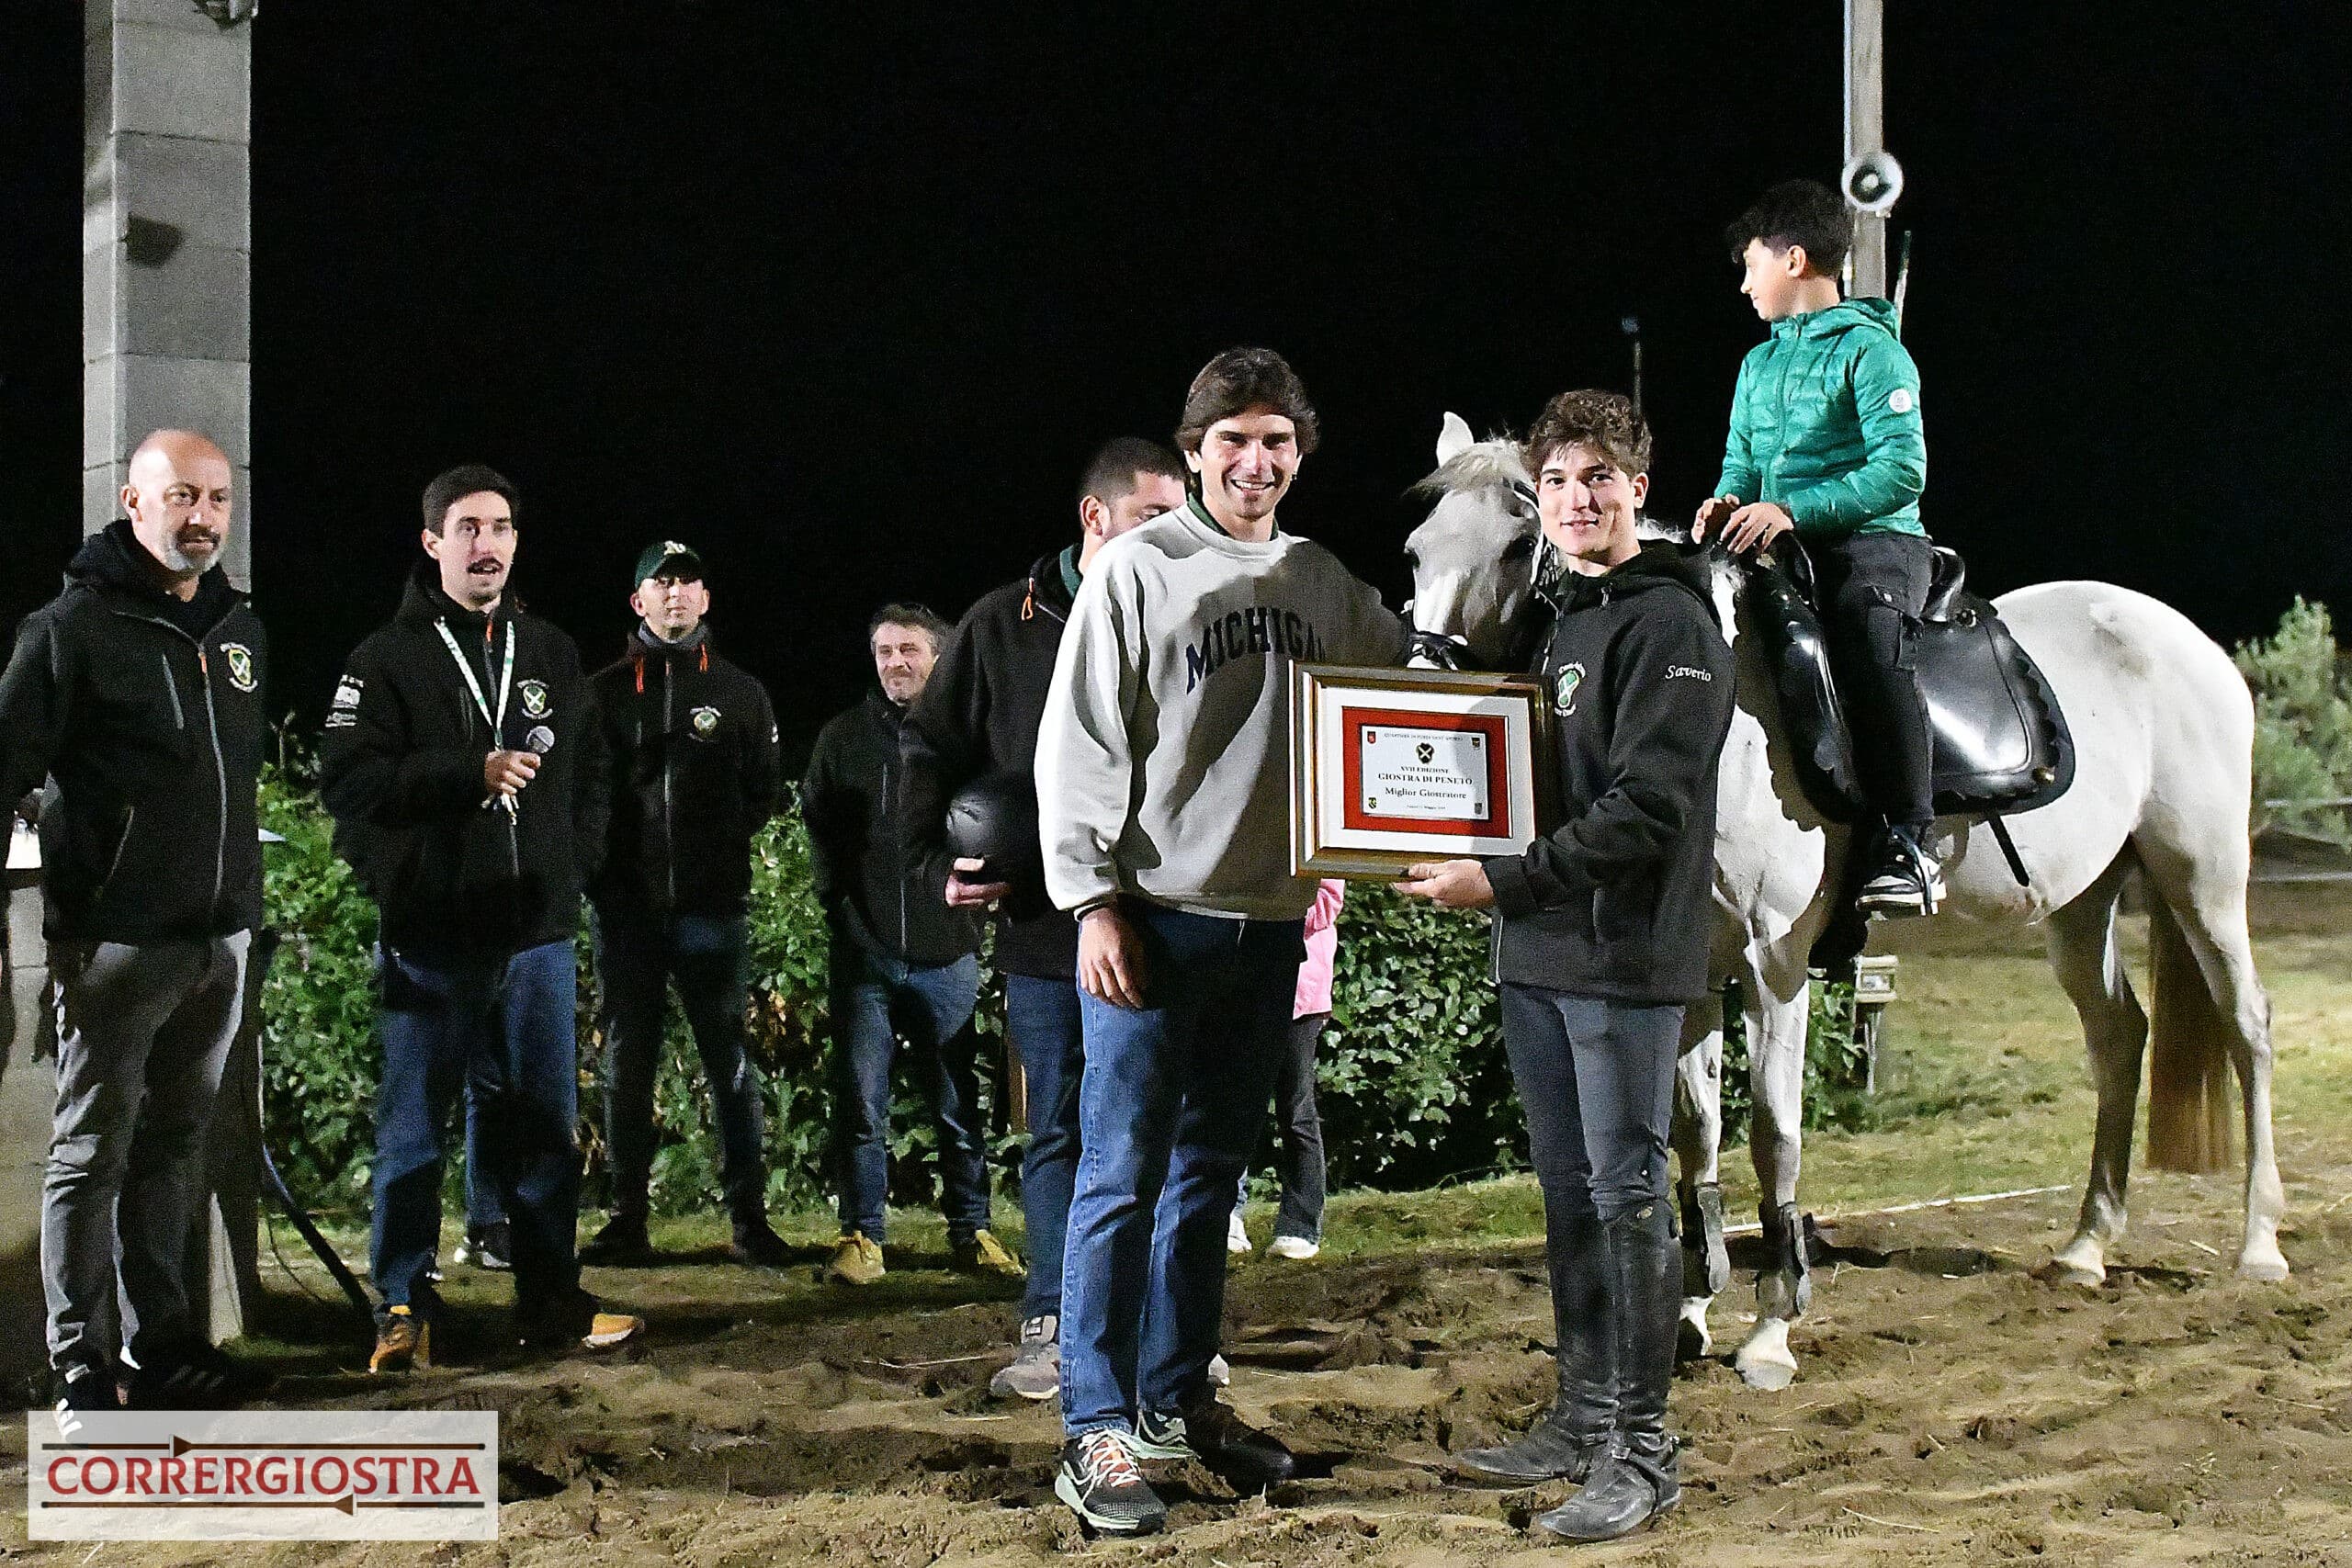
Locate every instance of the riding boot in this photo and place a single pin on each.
(1638, 1477)
(1564, 1444)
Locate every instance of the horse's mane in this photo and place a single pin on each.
(1494, 461)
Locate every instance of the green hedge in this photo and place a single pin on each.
(1413, 1083)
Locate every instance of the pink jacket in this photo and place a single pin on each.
(1322, 950)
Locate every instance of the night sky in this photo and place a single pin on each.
(846, 303)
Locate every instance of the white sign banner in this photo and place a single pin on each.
(1428, 775)
(262, 1475)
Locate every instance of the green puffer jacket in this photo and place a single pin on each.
(1824, 421)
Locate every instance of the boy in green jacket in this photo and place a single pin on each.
(1825, 440)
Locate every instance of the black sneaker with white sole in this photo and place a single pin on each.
(1242, 1456)
(490, 1247)
(1099, 1480)
(1907, 880)
(86, 1388)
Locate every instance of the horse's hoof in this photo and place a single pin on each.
(2060, 1270)
(1765, 1362)
(2266, 1266)
(1691, 1341)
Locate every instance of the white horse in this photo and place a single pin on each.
(2163, 730)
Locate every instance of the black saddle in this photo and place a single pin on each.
(2000, 743)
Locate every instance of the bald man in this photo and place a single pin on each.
(137, 693)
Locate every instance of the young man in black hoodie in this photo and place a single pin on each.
(1600, 939)
(903, 963)
(137, 693)
(691, 742)
(463, 764)
(977, 719)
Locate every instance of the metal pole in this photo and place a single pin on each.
(1865, 132)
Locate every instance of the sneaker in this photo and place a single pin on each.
(1298, 1249)
(1037, 1372)
(622, 1242)
(1210, 1432)
(1220, 1372)
(403, 1341)
(579, 1327)
(85, 1388)
(490, 1247)
(1099, 1480)
(608, 1330)
(857, 1261)
(983, 1254)
(1237, 1236)
(756, 1242)
(195, 1376)
(1909, 881)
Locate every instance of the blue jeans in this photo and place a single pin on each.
(1170, 1109)
(876, 999)
(1044, 1019)
(636, 957)
(483, 1208)
(509, 1020)
(1597, 1080)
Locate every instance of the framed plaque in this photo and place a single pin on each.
(1389, 767)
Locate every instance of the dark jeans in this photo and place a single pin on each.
(877, 999)
(1597, 1080)
(509, 1020)
(483, 1208)
(1872, 587)
(636, 958)
(1170, 1109)
(1044, 1019)
(142, 1038)
(1301, 1127)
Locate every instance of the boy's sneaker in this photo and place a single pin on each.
(982, 1253)
(1298, 1249)
(1237, 1235)
(757, 1244)
(403, 1341)
(1909, 881)
(1247, 1459)
(86, 1388)
(1037, 1372)
(857, 1261)
(621, 1243)
(490, 1247)
(1099, 1480)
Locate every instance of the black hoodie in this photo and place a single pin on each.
(691, 744)
(980, 716)
(874, 895)
(146, 713)
(1614, 902)
(400, 768)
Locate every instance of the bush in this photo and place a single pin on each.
(1414, 1084)
(2303, 725)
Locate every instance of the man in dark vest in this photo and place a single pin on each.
(692, 748)
(462, 763)
(137, 693)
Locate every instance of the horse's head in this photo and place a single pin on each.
(1473, 557)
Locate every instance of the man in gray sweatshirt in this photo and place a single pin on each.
(1163, 803)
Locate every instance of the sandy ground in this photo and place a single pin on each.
(1951, 1409)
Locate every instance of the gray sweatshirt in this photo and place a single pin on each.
(1163, 765)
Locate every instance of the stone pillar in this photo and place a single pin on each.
(166, 240)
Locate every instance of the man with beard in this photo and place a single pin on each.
(137, 693)
(1163, 793)
(464, 767)
(977, 719)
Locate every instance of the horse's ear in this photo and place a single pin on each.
(1454, 439)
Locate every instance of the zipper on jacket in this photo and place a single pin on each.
(220, 770)
(172, 686)
(129, 818)
(668, 770)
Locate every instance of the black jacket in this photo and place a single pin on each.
(145, 711)
(1615, 903)
(690, 744)
(874, 894)
(400, 768)
(979, 715)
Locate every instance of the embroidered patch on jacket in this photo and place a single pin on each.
(240, 665)
(706, 722)
(1899, 401)
(535, 697)
(1689, 673)
(1564, 690)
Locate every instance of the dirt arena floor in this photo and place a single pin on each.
(1949, 1408)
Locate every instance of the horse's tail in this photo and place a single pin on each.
(2191, 1109)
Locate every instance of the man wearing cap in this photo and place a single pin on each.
(693, 773)
(462, 763)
